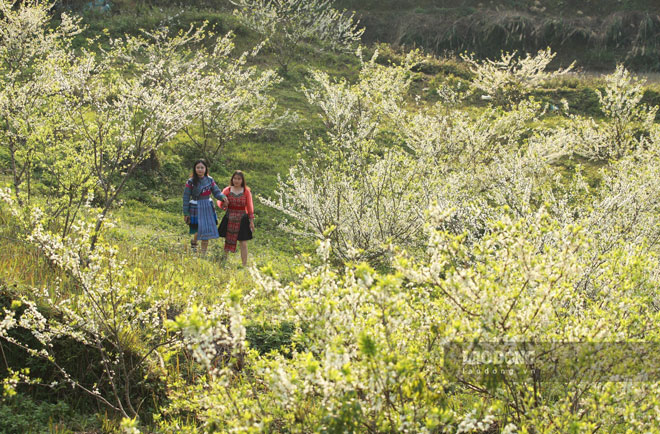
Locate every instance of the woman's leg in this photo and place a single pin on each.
(243, 245)
(205, 244)
(193, 242)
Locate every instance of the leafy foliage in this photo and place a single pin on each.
(23, 415)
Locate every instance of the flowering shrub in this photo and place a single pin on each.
(627, 119)
(107, 313)
(29, 52)
(287, 23)
(146, 89)
(354, 188)
(510, 79)
(369, 182)
(373, 349)
(232, 99)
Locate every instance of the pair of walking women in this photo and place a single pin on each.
(237, 225)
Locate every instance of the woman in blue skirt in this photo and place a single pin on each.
(198, 207)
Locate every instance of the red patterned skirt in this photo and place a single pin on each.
(237, 221)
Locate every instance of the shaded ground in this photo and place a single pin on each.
(598, 33)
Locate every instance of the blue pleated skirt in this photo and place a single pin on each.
(207, 220)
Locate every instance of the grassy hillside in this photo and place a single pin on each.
(597, 33)
(556, 7)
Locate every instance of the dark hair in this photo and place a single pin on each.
(195, 178)
(239, 173)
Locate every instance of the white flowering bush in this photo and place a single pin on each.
(627, 120)
(109, 312)
(288, 23)
(29, 51)
(232, 99)
(104, 306)
(510, 79)
(368, 184)
(373, 350)
(353, 187)
(473, 164)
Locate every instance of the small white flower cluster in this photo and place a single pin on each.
(14, 378)
(129, 426)
(213, 333)
(471, 423)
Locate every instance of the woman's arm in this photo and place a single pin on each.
(250, 207)
(186, 198)
(221, 204)
(217, 193)
(248, 203)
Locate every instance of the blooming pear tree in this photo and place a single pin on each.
(487, 157)
(130, 102)
(86, 122)
(356, 189)
(623, 211)
(472, 164)
(29, 52)
(288, 23)
(108, 315)
(233, 100)
(146, 89)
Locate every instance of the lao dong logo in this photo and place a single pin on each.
(481, 356)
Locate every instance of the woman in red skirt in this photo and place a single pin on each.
(239, 220)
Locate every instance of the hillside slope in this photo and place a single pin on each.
(598, 33)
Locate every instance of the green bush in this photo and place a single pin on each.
(270, 337)
(20, 414)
